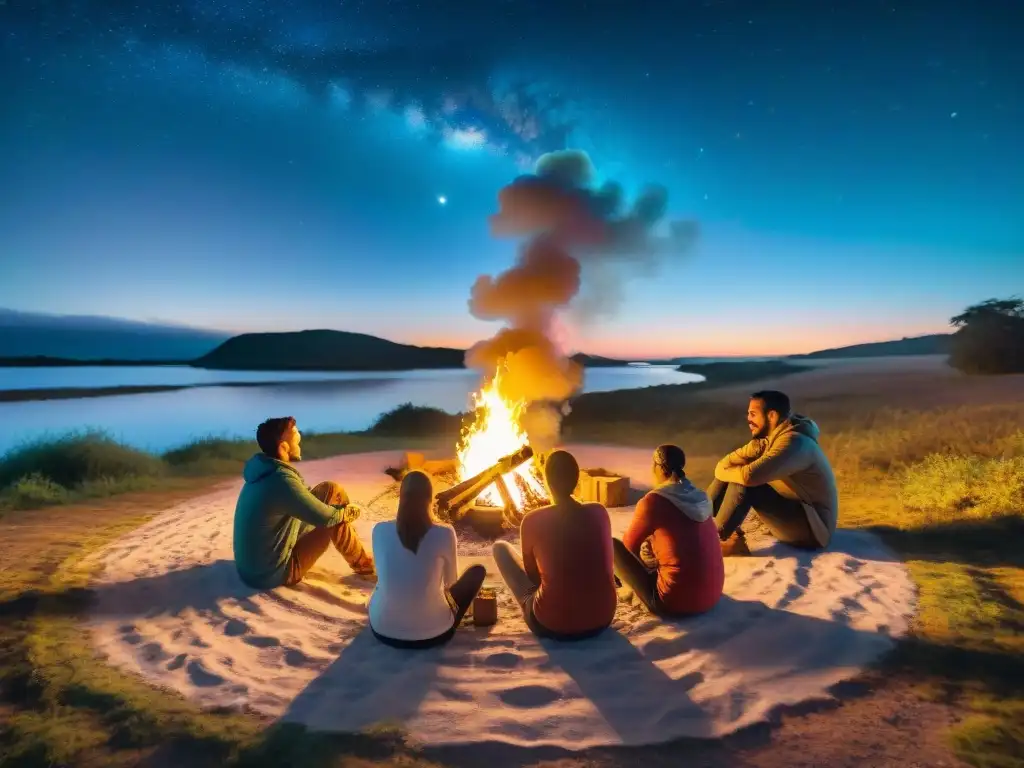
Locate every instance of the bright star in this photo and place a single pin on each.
(442, 199)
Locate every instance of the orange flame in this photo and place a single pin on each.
(495, 433)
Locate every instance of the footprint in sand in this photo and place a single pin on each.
(262, 641)
(503, 660)
(795, 591)
(153, 652)
(850, 609)
(201, 676)
(177, 662)
(852, 565)
(529, 696)
(296, 658)
(234, 628)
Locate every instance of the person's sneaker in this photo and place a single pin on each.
(736, 546)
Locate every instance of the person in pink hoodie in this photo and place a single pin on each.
(688, 571)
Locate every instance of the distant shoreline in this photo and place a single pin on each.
(75, 393)
(715, 374)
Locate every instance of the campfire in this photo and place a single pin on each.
(499, 475)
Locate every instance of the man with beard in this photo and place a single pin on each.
(782, 475)
(282, 527)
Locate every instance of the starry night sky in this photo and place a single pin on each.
(856, 167)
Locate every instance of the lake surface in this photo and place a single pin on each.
(321, 402)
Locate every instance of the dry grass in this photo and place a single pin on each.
(942, 485)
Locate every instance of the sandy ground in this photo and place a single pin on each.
(920, 381)
(791, 626)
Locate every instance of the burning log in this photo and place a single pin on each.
(456, 501)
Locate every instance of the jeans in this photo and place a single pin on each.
(460, 596)
(311, 546)
(634, 573)
(785, 518)
(510, 566)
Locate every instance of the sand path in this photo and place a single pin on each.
(171, 609)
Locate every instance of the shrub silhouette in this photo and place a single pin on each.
(989, 337)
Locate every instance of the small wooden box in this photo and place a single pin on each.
(485, 608)
(437, 466)
(612, 491)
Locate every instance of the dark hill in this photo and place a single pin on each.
(324, 351)
(338, 351)
(933, 344)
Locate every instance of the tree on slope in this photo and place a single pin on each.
(989, 337)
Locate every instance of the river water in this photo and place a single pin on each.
(321, 402)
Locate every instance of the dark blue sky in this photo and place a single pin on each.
(856, 167)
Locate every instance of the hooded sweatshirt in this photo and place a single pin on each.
(274, 509)
(791, 461)
(684, 538)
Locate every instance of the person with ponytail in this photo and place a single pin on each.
(676, 518)
(419, 600)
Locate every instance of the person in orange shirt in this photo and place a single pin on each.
(676, 517)
(564, 581)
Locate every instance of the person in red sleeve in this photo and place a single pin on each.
(677, 518)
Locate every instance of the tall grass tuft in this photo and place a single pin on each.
(950, 487)
(209, 455)
(77, 459)
(416, 421)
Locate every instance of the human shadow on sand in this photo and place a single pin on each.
(619, 681)
(369, 684)
(207, 588)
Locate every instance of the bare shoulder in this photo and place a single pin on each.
(593, 508)
(537, 516)
(539, 512)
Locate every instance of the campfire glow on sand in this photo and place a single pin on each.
(495, 433)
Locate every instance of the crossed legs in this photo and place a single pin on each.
(785, 518)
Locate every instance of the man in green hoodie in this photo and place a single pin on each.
(781, 474)
(282, 527)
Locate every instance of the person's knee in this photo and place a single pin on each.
(502, 549)
(330, 492)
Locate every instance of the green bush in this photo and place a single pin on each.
(33, 491)
(416, 421)
(210, 449)
(76, 459)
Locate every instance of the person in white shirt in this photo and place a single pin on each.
(418, 601)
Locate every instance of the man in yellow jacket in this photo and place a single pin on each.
(781, 474)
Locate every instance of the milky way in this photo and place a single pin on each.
(438, 68)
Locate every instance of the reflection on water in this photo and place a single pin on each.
(118, 376)
(158, 421)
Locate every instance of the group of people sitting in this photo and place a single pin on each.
(567, 569)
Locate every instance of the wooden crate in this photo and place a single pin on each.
(607, 489)
(612, 491)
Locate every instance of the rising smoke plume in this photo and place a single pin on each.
(579, 245)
